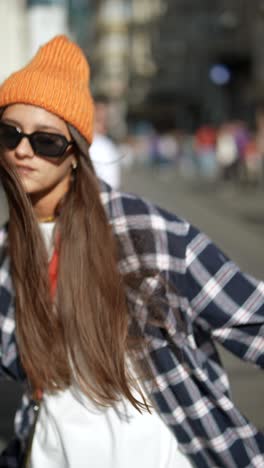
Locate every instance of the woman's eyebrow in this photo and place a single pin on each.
(37, 127)
(11, 121)
(49, 127)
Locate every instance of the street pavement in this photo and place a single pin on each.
(234, 219)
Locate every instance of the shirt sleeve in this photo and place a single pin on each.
(2, 242)
(225, 302)
(8, 352)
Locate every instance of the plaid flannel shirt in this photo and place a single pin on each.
(204, 297)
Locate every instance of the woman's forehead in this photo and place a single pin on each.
(30, 115)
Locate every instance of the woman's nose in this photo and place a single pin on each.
(24, 149)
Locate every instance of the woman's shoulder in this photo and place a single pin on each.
(6, 286)
(145, 229)
(137, 210)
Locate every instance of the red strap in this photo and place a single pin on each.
(38, 394)
(53, 273)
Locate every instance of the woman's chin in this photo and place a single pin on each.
(29, 186)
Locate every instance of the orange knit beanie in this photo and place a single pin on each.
(57, 79)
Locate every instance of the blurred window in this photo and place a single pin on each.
(45, 2)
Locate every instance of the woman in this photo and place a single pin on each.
(117, 301)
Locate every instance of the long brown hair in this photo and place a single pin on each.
(82, 336)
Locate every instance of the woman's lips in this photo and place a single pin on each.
(25, 170)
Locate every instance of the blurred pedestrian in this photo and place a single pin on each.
(104, 153)
(117, 301)
(252, 163)
(169, 146)
(227, 154)
(205, 140)
(259, 118)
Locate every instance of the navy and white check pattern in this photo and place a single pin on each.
(202, 297)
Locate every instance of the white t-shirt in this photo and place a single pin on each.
(106, 160)
(73, 432)
(47, 233)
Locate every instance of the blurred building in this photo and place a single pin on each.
(81, 22)
(144, 34)
(123, 46)
(181, 62)
(27, 24)
(12, 36)
(174, 62)
(122, 59)
(45, 19)
(110, 57)
(111, 52)
(206, 61)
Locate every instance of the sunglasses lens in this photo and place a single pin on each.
(48, 144)
(9, 136)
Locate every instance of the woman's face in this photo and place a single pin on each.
(42, 177)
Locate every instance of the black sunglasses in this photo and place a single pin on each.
(44, 144)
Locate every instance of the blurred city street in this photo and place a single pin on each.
(234, 219)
